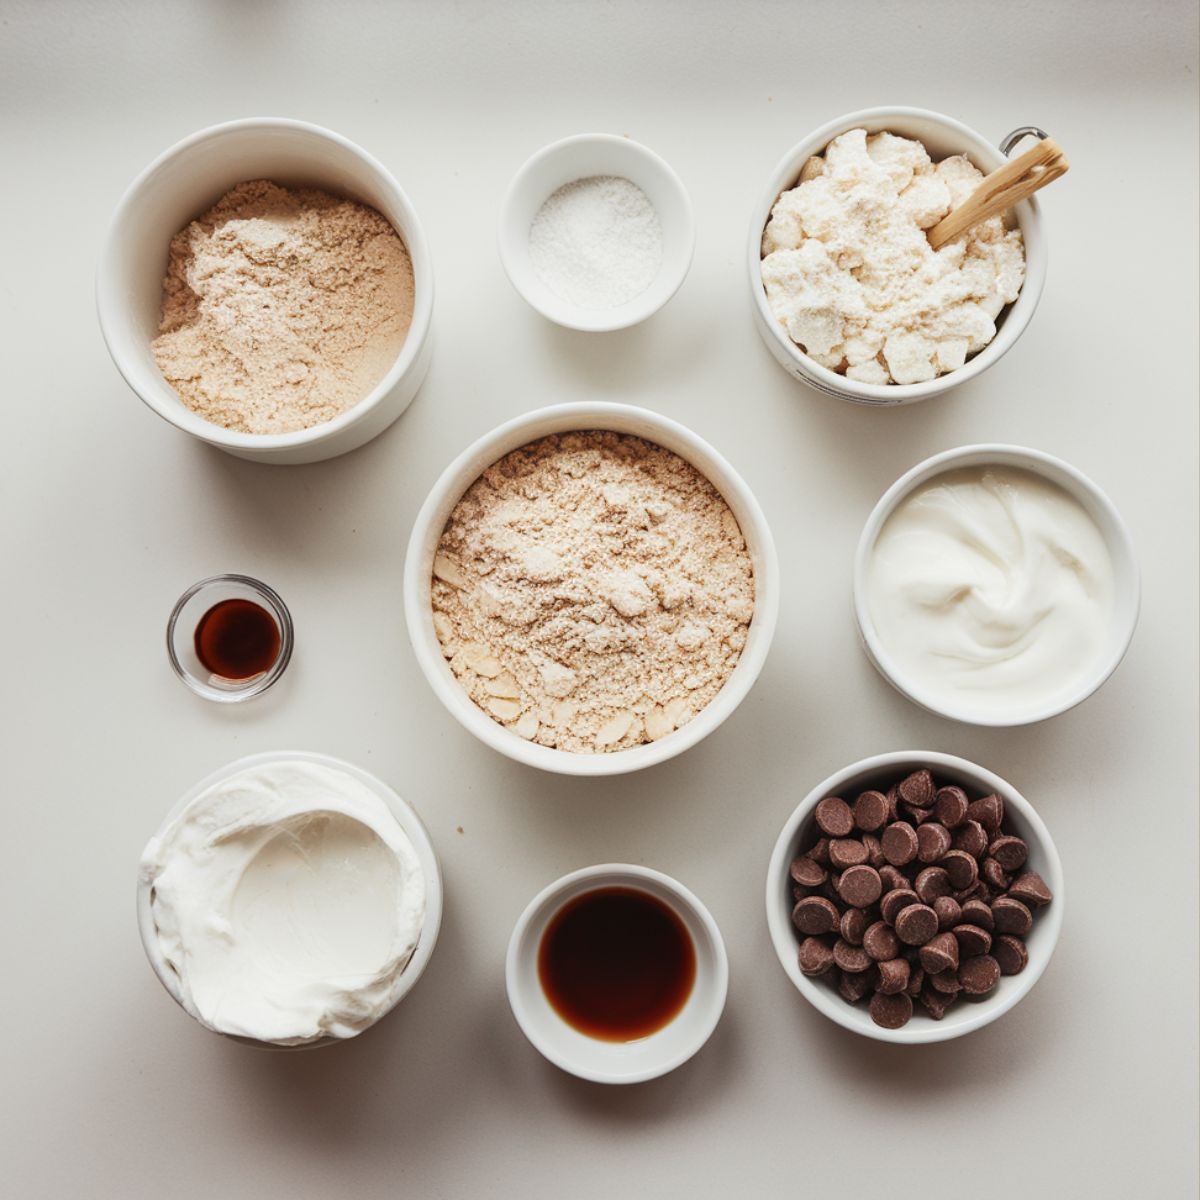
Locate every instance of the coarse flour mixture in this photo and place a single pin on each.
(282, 308)
(592, 591)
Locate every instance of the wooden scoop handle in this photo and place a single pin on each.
(1000, 190)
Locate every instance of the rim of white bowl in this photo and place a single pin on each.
(642, 306)
(465, 469)
(409, 821)
(1016, 316)
(715, 985)
(178, 414)
(1112, 528)
(1048, 920)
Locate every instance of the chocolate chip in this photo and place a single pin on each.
(979, 975)
(850, 958)
(808, 872)
(961, 869)
(972, 940)
(871, 811)
(1010, 852)
(994, 875)
(916, 924)
(932, 883)
(933, 841)
(917, 816)
(854, 986)
(1010, 953)
(971, 837)
(894, 975)
(899, 843)
(834, 817)
(892, 878)
(1011, 916)
(949, 913)
(860, 886)
(853, 926)
(940, 953)
(893, 799)
(1030, 888)
(976, 912)
(945, 982)
(874, 850)
(814, 915)
(891, 1012)
(935, 1003)
(880, 941)
(846, 852)
(950, 806)
(916, 979)
(918, 789)
(894, 901)
(819, 851)
(989, 812)
(815, 957)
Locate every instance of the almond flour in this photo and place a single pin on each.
(282, 308)
(592, 591)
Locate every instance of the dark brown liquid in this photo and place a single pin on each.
(617, 964)
(237, 639)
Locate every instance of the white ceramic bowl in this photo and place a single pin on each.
(409, 822)
(1127, 586)
(943, 137)
(617, 1062)
(189, 178)
(465, 469)
(580, 157)
(878, 771)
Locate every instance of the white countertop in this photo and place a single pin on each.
(1089, 1087)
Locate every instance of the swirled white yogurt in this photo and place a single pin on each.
(287, 900)
(991, 591)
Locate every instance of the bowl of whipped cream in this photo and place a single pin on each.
(847, 292)
(289, 900)
(995, 585)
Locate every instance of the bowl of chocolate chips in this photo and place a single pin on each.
(914, 897)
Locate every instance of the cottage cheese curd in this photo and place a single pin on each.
(287, 900)
(850, 274)
(992, 591)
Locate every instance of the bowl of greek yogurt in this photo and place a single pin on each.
(995, 585)
(289, 900)
(848, 294)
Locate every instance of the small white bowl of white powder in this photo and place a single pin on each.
(596, 232)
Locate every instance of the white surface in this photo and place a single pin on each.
(880, 771)
(617, 1062)
(494, 445)
(108, 1089)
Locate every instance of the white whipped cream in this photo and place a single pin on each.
(288, 900)
(991, 588)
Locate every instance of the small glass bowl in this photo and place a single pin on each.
(181, 630)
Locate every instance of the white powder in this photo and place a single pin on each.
(592, 591)
(597, 242)
(850, 273)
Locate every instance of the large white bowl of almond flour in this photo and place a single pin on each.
(943, 137)
(720, 610)
(183, 183)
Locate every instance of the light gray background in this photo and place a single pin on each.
(1088, 1088)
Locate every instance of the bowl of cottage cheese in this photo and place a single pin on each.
(848, 294)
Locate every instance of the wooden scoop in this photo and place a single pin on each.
(1000, 190)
